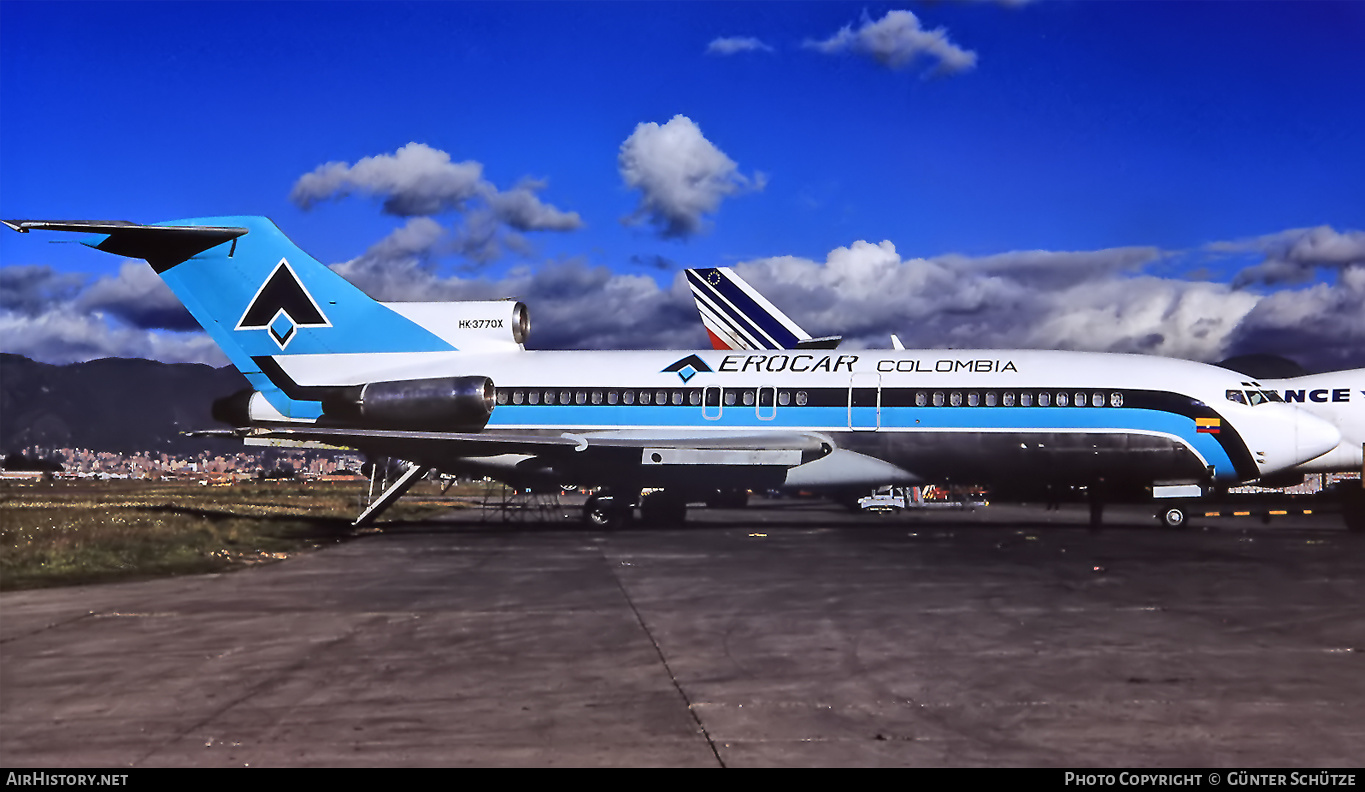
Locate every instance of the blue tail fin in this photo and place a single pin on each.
(259, 297)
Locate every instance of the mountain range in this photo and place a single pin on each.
(122, 405)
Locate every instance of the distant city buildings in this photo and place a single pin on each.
(265, 463)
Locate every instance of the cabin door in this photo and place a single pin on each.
(865, 402)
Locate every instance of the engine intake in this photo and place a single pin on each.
(442, 403)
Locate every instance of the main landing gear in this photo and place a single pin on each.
(613, 509)
(606, 510)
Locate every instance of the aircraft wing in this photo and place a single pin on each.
(658, 447)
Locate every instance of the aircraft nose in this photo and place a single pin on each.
(1282, 436)
(1313, 436)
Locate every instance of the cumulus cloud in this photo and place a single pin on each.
(61, 335)
(680, 174)
(732, 45)
(29, 289)
(573, 305)
(1090, 300)
(895, 41)
(420, 181)
(1296, 255)
(138, 297)
(1322, 326)
(1099, 300)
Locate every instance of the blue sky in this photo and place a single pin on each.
(1163, 177)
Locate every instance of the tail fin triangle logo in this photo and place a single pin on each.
(281, 306)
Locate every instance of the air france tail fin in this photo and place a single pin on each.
(259, 297)
(736, 316)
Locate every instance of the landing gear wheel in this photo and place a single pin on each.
(1173, 517)
(604, 511)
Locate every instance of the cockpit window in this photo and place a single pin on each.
(1236, 395)
(1255, 397)
(1272, 396)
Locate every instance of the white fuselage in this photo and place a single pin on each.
(1024, 413)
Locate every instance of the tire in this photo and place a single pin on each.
(602, 511)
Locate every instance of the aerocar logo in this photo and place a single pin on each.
(689, 367)
(281, 306)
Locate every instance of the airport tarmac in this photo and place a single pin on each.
(790, 634)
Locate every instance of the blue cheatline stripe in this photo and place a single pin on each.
(746, 312)
(893, 419)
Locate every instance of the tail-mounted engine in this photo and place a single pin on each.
(440, 404)
(432, 405)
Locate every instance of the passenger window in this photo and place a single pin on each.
(549, 397)
(973, 399)
(730, 398)
(800, 398)
(938, 398)
(677, 397)
(644, 397)
(1061, 400)
(990, 399)
(517, 397)
(1116, 399)
(1097, 400)
(694, 397)
(1044, 399)
(628, 397)
(580, 398)
(955, 399)
(1080, 400)
(533, 397)
(748, 398)
(1008, 399)
(1026, 400)
(612, 397)
(784, 398)
(661, 398)
(921, 398)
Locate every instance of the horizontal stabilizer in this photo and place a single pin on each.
(161, 246)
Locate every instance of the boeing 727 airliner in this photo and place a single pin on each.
(736, 316)
(450, 386)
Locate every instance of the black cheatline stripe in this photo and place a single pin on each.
(1157, 401)
(277, 376)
